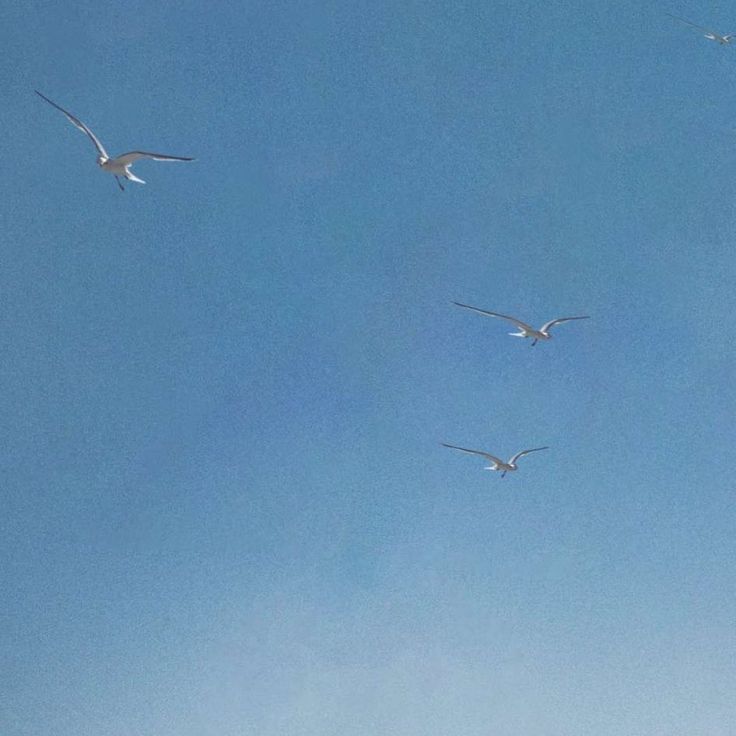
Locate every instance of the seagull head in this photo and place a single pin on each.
(101, 160)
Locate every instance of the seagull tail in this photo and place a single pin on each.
(130, 176)
(517, 334)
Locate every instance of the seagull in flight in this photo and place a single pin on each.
(497, 463)
(119, 166)
(712, 35)
(525, 330)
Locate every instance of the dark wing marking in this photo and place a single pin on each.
(525, 452)
(517, 322)
(78, 124)
(495, 460)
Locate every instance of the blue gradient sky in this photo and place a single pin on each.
(225, 506)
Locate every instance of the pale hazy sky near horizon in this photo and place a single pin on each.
(226, 510)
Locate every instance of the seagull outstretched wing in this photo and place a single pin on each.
(495, 460)
(548, 325)
(517, 322)
(525, 452)
(694, 25)
(129, 158)
(76, 122)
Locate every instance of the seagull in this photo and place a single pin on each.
(497, 463)
(119, 166)
(712, 35)
(526, 330)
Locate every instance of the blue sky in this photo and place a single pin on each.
(225, 505)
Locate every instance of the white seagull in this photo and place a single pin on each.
(526, 330)
(119, 166)
(497, 463)
(712, 35)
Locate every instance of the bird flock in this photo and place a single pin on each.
(526, 331)
(120, 167)
(543, 333)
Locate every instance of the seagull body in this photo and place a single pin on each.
(497, 463)
(525, 330)
(120, 165)
(711, 35)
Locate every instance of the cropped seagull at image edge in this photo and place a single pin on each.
(497, 463)
(525, 330)
(711, 35)
(120, 165)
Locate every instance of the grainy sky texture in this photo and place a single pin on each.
(225, 507)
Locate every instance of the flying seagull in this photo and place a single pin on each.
(119, 166)
(526, 330)
(497, 463)
(712, 35)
